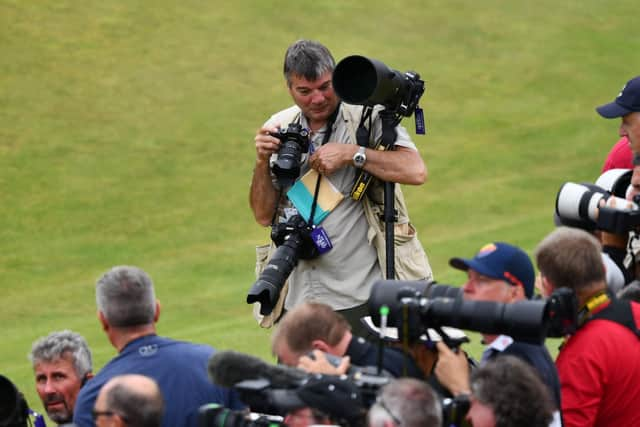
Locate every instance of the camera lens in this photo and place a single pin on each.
(266, 290)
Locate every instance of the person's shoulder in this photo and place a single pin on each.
(189, 348)
(284, 117)
(528, 351)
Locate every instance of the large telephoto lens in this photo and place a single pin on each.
(266, 290)
(578, 202)
(366, 81)
(523, 320)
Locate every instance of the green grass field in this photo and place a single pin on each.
(126, 137)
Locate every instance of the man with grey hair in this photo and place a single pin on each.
(128, 311)
(508, 392)
(406, 402)
(129, 401)
(61, 364)
(337, 156)
(597, 361)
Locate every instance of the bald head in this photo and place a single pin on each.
(130, 400)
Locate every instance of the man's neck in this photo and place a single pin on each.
(488, 339)
(120, 337)
(585, 295)
(315, 126)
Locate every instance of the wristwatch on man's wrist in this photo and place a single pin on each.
(360, 158)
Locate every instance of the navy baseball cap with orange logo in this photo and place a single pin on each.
(501, 261)
(627, 101)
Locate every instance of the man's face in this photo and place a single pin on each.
(482, 288)
(316, 98)
(480, 415)
(303, 417)
(634, 187)
(101, 414)
(58, 385)
(630, 127)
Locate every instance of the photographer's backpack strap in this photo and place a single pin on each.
(264, 252)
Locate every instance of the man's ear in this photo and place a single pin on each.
(103, 321)
(119, 422)
(86, 378)
(156, 316)
(320, 345)
(517, 293)
(547, 286)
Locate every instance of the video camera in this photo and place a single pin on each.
(411, 308)
(601, 205)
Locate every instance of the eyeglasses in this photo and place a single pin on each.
(384, 406)
(96, 414)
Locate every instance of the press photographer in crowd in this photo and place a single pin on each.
(310, 153)
(507, 392)
(607, 209)
(598, 364)
(406, 402)
(502, 273)
(315, 326)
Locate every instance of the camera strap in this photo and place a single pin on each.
(329, 127)
(618, 311)
(327, 134)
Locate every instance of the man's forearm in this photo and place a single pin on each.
(402, 166)
(263, 196)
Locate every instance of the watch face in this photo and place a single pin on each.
(359, 158)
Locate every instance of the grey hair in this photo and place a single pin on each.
(59, 344)
(138, 408)
(410, 402)
(514, 391)
(126, 297)
(308, 59)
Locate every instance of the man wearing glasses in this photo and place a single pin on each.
(406, 402)
(129, 400)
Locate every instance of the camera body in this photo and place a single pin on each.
(294, 143)
(296, 229)
(214, 415)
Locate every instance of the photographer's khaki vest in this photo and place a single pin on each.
(411, 262)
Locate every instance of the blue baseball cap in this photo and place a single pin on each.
(501, 261)
(627, 101)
